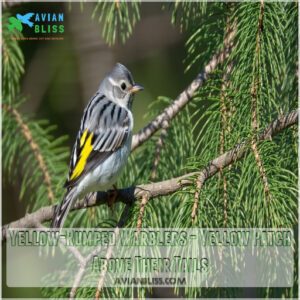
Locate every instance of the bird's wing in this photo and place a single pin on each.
(104, 128)
(28, 16)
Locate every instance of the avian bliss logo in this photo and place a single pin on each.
(39, 22)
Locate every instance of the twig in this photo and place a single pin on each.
(34, 147)
(225, 127)
(76, 253)
(109, 252)
(254, 98)
(225, 200)
(87, 259)
(162, 188)
(179, 103)
(199, 183)
(144, 201)
(228, 44)
(117, 4)
(159, 146)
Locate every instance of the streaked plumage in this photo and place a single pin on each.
(103, 142)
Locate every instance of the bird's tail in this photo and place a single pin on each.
(62, 210)
(30, 24)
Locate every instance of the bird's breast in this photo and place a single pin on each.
(107, 173)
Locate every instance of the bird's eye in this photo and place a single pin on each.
(123, 86)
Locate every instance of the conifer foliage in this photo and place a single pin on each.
(255, 84)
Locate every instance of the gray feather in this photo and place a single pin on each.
(107, 122)
(62, 210)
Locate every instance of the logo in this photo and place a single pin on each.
(38, 24)
(16, 22)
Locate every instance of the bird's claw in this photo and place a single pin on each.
(86, 200)
(112, 197)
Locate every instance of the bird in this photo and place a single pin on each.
(103, 142)
(25, 19)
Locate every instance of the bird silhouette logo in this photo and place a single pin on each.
(16, 22)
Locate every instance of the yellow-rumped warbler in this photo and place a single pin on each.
(103, 142)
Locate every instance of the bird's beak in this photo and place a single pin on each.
(136, 88)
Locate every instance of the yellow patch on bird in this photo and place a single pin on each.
(83, 137)
(84, 154)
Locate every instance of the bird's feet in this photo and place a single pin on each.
(112, 197)
(86, 200)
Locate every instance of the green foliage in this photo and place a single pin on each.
(12, 62)
(185, 15)
(30, 155)
(259, 76)
(206, 34)
(33, 158)
(177, 147)
(117, 19)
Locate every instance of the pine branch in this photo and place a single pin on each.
(179, 103)
(83, 261)
(12, 62)
(109, 251)
(254, 98)
(117, 19)
(224, 127)
(144, 201)
(34, 147)
(159, 146)
(225, 124)
(162, 188)
(199, 183)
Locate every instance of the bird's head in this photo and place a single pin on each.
(119, 86)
